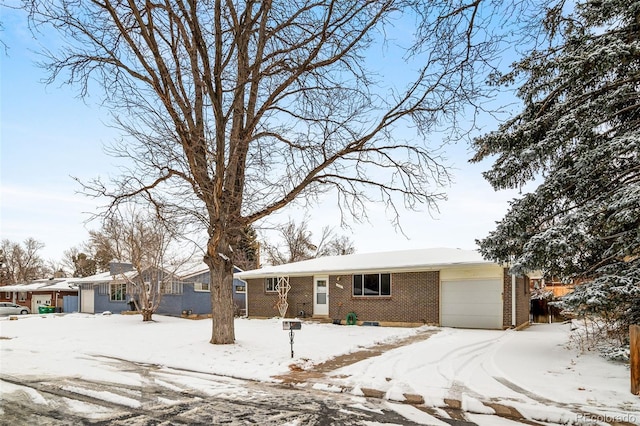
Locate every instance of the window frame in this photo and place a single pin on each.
(271, 285)
(201, 286)
(113, 291)
(363, 285)
(171, 287)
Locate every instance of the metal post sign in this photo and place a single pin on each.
(291, 325)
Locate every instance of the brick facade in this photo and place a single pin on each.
(261, 303)
(522, 300)
(415, 299)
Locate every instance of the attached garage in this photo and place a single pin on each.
(472, 297)
(471, 303)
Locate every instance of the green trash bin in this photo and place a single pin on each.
(51, 309)
(42, 309)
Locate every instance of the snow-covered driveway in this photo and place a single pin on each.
(531, 370)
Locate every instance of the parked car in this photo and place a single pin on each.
(12, 308)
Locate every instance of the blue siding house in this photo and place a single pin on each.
(198, 284)
(184, 295)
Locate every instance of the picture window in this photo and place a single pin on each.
(372, 285)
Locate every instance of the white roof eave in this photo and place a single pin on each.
(399, 261)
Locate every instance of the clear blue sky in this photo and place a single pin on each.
(49, 135)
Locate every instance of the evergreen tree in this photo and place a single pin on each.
(84, 266)
(579, 133)
(246, 255)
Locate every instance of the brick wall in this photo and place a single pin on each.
(522, 300)
(263, 304)
(414, 299)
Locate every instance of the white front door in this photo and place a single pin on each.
(86, 300)
(320, 296)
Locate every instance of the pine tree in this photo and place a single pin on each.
(246, 256)
(579, 133)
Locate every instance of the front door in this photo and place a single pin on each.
(86, 300)
(320, 296)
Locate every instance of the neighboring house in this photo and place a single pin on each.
(544, 291)
(539, 285)
(50, 292)
(198, 283)
(188, 293)
(102, 292)
(446, 287)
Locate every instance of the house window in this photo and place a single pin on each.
(241, 289)
(372, 285)
(7, 295)
(22, 296)
(118, 292)
(198, 286)
(271, 285)
(171, 287)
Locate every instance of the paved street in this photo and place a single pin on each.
(175, 397)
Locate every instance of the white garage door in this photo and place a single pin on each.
(471, 303)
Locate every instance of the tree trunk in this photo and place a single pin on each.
(146, 314)
(221, 268)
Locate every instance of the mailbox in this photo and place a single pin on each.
(291, 325)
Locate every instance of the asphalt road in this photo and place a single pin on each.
(161, 396)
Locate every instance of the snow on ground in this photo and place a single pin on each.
(68, 345)
(531, 370)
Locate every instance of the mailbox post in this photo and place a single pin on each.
(291, 325)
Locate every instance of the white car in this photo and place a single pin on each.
(12, 308)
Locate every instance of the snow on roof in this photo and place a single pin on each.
(394, 260)
(191, 269)
(201, 269)
(23, 287)
(102, 277)
(64, 285)
(40, 285)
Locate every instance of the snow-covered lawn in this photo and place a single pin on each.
(530, 370)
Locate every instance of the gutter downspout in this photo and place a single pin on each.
(513, 301)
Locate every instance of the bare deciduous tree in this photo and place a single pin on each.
(149, 245)
(297, 244)
(237, 109)
(22, 263)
